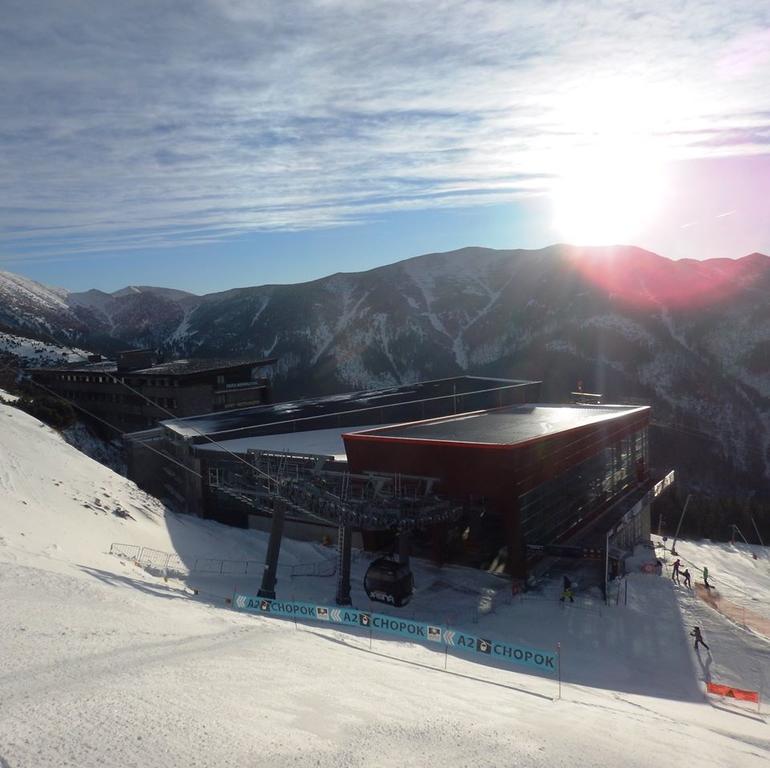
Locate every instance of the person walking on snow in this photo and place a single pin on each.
(686, 575)
(706, 577)
(567, 591)
(698, 639)
(675, 573)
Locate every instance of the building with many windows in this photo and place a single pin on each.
(182, 387)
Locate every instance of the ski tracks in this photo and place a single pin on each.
(30, 683)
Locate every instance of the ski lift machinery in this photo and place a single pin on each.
(378, 502)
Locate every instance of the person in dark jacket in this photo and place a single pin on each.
(687, 581)
(567, 591)
(698, 639)
(675, 572)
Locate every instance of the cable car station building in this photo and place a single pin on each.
(526, 474)
(467, 470)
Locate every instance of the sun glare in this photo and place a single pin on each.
(610, 180)
(607, 195)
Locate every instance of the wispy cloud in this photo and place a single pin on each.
(138, 124)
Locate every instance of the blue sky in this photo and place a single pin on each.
(207, 144)
(298, 256)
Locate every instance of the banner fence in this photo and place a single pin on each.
(432, 635)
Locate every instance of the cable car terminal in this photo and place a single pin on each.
(468, 470)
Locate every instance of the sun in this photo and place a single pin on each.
(609, 169)
(607, 193)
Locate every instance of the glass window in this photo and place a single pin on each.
(551, 510)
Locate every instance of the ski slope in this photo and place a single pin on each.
(739, 572)
(106, 665)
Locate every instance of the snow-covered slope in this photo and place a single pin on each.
(27, 304)
(8, 397)
(56, 501)
(105, 665)
(33, 352)
(15, 289)
(740, 574)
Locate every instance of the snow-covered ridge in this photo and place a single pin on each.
(30, 305)
(16, 288)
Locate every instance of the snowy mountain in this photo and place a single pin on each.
(135, 313)
(31, 306)
(140, 315)
(690, 337)
(106, 664)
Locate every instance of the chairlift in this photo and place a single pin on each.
(388, 581)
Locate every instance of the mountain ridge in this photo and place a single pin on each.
(691, 337)
(64, 293)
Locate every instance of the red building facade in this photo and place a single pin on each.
(542, 471)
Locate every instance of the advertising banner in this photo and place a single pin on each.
(408, 629)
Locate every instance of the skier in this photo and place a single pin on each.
(675, 574)
(686, 575)
(706, 577)
(567, 591)
(698, 639)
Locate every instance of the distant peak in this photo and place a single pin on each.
(133, 290)
(129, 289)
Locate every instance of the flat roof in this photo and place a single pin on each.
(170, 368)
(505, 426)
(106, 366)
(318, 442)
(196, 365)
(308, 408)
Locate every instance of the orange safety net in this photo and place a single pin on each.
(732, 693)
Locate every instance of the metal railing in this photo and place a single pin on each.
(169, 562)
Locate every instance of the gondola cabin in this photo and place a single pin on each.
(388, 581)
